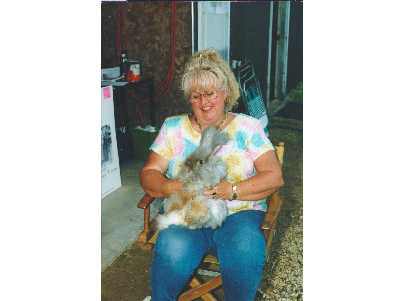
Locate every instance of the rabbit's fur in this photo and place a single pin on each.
(200, 170)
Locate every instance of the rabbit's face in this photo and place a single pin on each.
(199, 175)
(191, 165)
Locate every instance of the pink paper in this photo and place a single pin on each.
(107, 92)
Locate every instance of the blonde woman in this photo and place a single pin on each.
(253, 174)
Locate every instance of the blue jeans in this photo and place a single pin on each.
(239, 246)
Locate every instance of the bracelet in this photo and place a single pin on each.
(234, 192)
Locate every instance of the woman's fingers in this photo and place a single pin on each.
(222, 190)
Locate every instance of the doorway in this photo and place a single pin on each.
(250, 39)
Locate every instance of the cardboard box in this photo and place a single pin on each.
(141, 142)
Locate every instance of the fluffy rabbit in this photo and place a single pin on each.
(200, 170)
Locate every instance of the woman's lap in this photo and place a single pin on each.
(239, 246)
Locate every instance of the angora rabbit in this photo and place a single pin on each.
(200, 170)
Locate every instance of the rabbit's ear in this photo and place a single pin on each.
(211, 139)
(207, 137)
(219, 139)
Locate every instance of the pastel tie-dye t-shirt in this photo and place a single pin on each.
(177, 139)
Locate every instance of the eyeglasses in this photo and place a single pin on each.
(195, 97)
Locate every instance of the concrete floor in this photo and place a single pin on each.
(121, 220)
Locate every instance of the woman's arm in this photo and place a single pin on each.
(153, 179)
(267, 180)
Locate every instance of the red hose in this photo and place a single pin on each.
(126, 37)
(166, 83)
(168, 78)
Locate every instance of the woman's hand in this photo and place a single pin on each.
(153, 179)
(223, 190)
(174, 185)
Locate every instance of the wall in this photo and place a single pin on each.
(149, 40)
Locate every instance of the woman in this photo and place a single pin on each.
(253, 174)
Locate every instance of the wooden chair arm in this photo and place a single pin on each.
(270, 218)
(145, 237)
(145, 201)
(272, 212)
(274, 206)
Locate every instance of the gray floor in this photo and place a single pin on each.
(121, 220)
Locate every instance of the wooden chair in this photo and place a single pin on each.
(148, 236)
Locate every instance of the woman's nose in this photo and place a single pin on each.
(203, 98)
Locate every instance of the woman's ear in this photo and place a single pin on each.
(225, 94)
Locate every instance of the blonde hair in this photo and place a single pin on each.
(206, 68)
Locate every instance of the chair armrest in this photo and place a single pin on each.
(145, 237)
(145, 201)
(271, 215)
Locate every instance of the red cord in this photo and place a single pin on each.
(173, 26)
(168, 79)
(173, 38)
(119, 48)
(126, 37)
(140, 115)
(169, 76)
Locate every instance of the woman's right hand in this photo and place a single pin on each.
(153, 179)
(175, 185)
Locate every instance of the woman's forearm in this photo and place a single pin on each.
(259, 186)
(255, 188)
(157, 184)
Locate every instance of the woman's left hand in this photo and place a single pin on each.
(223, 190)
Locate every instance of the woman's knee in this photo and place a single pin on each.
(181, 247)
(242, 239)
(173, 245)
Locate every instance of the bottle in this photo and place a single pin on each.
(135, 68)
(123, 57)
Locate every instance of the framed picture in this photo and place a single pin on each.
(110, 171)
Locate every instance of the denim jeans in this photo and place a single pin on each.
(239, 246)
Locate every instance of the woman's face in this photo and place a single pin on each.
(208, 111)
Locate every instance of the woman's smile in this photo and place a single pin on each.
(207, 108)
(209, 114)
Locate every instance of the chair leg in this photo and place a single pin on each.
(207, 297)
(201, 290)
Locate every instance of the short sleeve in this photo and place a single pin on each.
(161, 144)
(259, 143)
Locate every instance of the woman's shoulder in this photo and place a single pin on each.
(177, 117)
(245, 121)
(176, 120)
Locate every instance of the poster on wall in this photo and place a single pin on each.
(110, 172)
